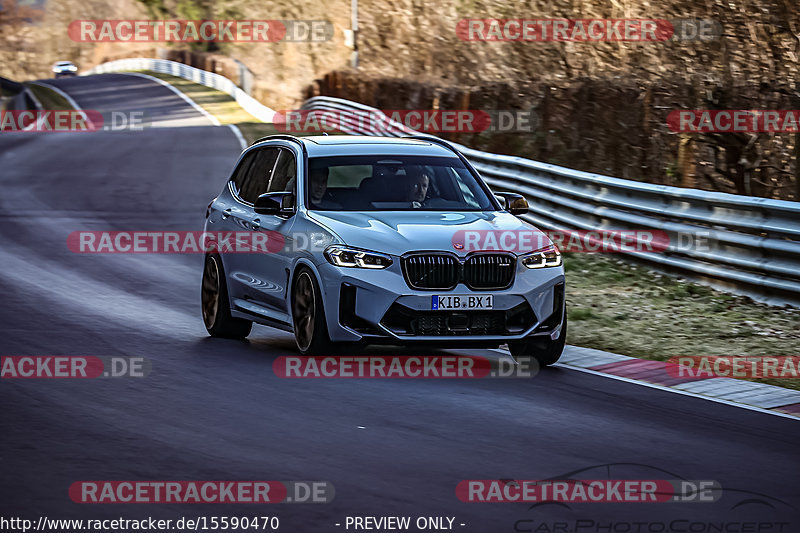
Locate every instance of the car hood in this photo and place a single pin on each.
(399, 232)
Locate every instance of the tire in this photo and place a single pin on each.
(545, 350)
(308, 315)
(215, 303)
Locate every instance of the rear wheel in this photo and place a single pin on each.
(544, 349)
(308, 315)
(216, 305)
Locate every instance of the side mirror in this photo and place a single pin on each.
(514, 203)
(274, 203)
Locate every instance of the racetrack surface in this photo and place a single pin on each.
(123, 93)
(214, 410)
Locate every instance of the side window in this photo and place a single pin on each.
(241, 171)
(259, 174)
(284, 177)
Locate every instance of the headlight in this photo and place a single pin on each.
(546, 257)
(342, 256)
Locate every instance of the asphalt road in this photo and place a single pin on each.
(125, 94)
(213, 409)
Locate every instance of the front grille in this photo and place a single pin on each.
(489, 271)
(431, 271)
(443, 271)
(404, 321)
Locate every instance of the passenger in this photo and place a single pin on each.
(318, 193)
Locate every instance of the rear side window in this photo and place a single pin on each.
(241, 171)
(284, 177)
(259, 174)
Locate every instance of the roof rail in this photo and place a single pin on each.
(280, 137)
(433, 139)
(426, 137)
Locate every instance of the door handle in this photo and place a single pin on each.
(226, 213)
(256, 223)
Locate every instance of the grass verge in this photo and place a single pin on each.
(48, 98)
(628, 309)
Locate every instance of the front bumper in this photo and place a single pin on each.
(378, 306)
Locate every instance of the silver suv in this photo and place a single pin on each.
(365, 246)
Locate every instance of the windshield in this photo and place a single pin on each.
(393, 183)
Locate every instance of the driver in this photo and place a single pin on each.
(417, 185)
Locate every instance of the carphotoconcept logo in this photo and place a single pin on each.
(743, 506)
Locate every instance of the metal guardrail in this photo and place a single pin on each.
(203, 77)
(741, 243)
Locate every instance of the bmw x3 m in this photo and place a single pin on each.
(368, 250)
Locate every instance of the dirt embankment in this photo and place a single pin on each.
(601, 106)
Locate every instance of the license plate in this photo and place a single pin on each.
(462, 301)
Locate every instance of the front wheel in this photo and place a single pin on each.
(215, 303)
(544, 349)
(308, 315)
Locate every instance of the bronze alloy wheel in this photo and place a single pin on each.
(304, 310)
(210, 292)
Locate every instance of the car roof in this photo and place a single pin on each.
(333, 145)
